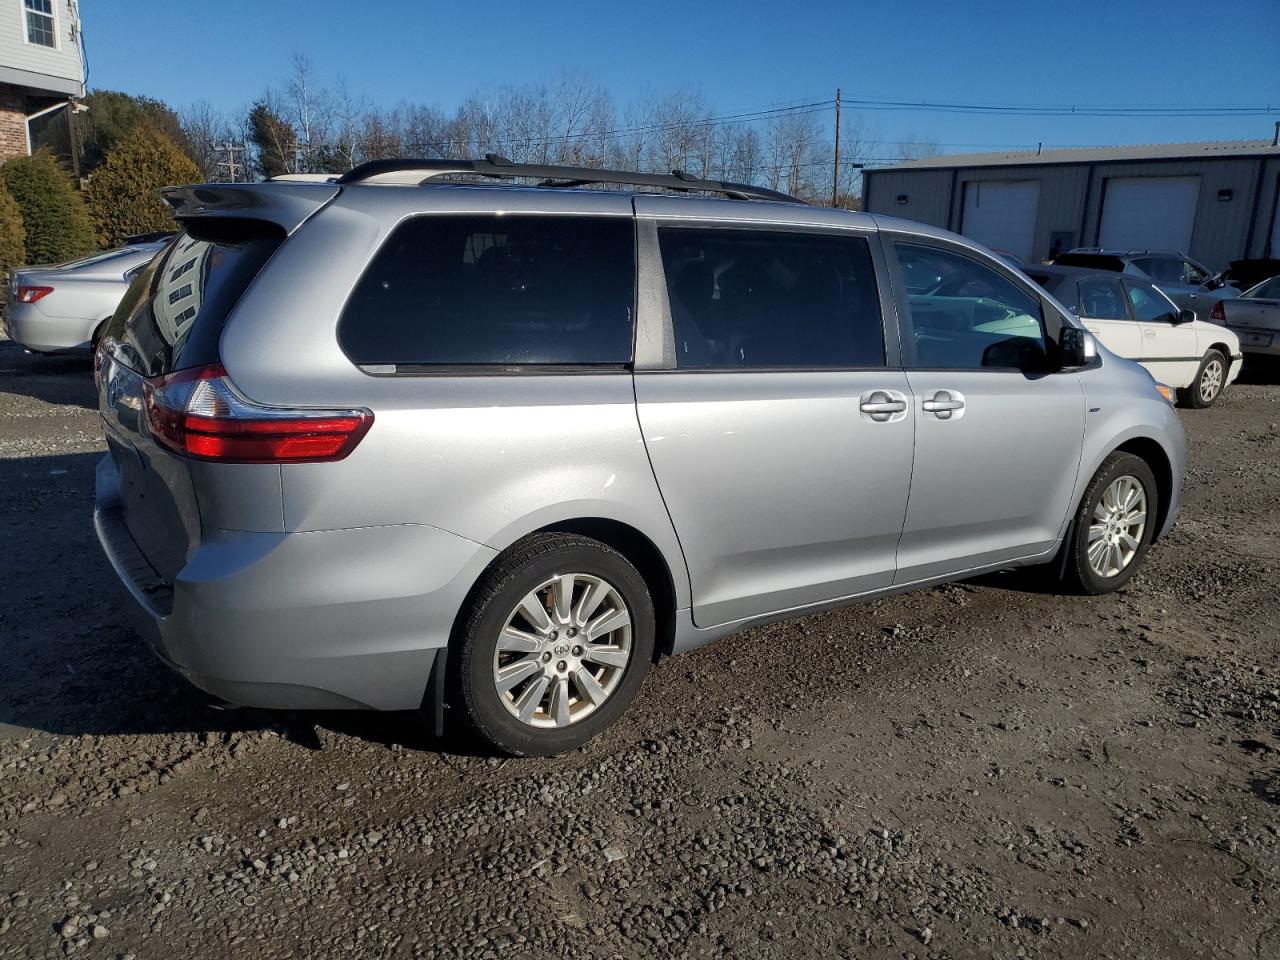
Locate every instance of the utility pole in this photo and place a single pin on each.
(230, 163)
(835, 173)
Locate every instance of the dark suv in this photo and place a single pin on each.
(1178, 277)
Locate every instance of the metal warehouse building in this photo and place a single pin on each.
(1215, 201)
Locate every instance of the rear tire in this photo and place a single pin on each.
(1211, 380)
(1113, 526)
(557, 640)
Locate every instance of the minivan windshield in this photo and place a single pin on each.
(172, 316)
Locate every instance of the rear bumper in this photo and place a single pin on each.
(1258, 342)
(28, 325)
(324, 620)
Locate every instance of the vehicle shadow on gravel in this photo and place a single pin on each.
(73, 665)
(1262, 371)
(55, 378)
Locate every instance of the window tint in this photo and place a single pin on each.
(755, 298)
(1160, 269)
(1192, 274)
(1150, 306)
(1102, 300)
(1268, 290)
(496, 290)
(965, 315)
(173, 313)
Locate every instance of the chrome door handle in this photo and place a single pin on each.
(945, 404)
(884, 406)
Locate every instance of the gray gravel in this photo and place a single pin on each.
(981, 770)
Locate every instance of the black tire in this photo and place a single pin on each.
(1078, 572)
(521, 569)
(1202, 393)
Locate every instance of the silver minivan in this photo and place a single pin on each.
(427, 435)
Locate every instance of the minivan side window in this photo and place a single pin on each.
(965, 315)
(747, 298)
(496, 290)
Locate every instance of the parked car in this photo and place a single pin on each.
(502, 447)
(1182, 279)
(1254, 317)
(65, 307)
(1241, 275)
(1135, 320)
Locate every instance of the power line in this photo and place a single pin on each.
(1066, 110)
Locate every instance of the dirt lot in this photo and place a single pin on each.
(982, 770)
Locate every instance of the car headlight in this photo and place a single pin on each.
(1166, 391)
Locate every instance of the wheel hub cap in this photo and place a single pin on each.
(1211, 380)
(563, 650)
(1118, 523)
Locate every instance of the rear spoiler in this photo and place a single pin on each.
(286, 204)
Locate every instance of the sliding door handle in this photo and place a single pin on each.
(944, 404)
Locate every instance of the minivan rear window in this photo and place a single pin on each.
(495, 290)
(172, 316)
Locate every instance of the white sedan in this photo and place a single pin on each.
(65, 307)
(1135, 320)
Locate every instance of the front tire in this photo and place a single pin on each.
(1113, 526)
(556, 642)
(1210, 381)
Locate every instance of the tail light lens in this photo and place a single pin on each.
(198, 413)
(1218, 314)
(31, 294)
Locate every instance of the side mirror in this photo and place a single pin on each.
(1076, 347)
(1186, 316)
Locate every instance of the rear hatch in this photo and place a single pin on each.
(170, 320)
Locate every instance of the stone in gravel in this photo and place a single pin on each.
(613, 854)
(100, 932)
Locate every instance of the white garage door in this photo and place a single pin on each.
(1149, 213)
(1002, 214)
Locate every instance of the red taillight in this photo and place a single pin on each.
(198, 413)
(31, 294)
(1218, 314)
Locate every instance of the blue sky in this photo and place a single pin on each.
(742, 55)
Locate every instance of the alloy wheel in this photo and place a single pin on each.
(1119, 520)
(563, 650)
(1211, 380)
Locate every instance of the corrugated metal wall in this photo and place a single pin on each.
(1071, 197)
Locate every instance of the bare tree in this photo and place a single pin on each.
(913, 147)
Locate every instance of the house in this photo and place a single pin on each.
(1217, 201)
(42, 73)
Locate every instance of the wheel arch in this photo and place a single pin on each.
(645, 556)
(1154, 456)
(1222, 348)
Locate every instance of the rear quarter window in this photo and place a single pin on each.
(496, 290)
(172, 316)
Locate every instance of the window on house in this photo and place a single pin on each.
(41, 25)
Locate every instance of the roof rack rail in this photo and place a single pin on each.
(419, 172)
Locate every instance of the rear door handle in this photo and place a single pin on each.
(884, 406)
(945, 404)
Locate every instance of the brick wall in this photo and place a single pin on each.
(13, 119)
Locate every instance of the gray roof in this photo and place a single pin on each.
(1151, 151)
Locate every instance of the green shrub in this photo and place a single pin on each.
(124, 193)
(53, 215)
(12, 236)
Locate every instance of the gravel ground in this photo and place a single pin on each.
(980, 770)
